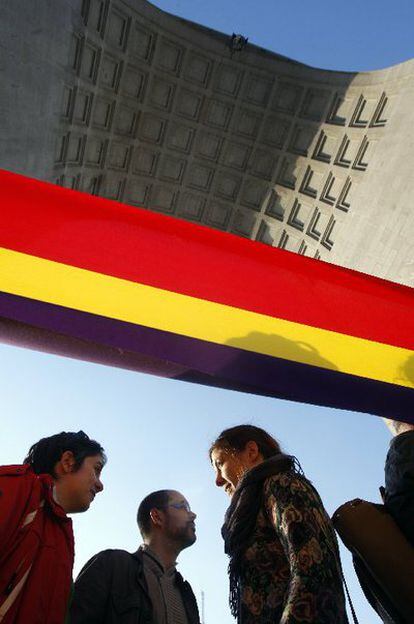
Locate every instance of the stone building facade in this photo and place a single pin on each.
(120, 99)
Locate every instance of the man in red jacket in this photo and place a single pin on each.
(60, 475)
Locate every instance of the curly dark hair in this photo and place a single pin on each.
(44, 455)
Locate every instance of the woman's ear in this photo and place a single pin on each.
(252, 451)
(65, 464)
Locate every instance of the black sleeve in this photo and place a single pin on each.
(92, 590)
(399, 482)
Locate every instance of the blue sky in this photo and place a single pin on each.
(157, 432)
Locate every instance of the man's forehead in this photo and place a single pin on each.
(176, 497)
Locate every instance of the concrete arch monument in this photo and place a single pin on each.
(120, 99)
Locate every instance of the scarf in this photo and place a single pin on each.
(240, 518)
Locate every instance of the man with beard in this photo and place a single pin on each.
(143, 587)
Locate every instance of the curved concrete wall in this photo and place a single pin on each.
(123, 100)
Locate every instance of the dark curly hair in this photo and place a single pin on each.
(44, 455)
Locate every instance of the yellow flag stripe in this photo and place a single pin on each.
(52, 282)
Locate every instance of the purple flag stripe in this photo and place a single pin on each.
(218, 365)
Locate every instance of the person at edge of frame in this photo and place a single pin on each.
(398, 497)
(399, 477)
(118, 587)
(284, 558)
(60, 475)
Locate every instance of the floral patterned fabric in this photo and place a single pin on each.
(289, 573)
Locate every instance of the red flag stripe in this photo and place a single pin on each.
(134, 244)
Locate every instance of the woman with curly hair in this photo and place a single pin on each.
(284, 560)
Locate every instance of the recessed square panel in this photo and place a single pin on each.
(287, 97)
(134, 82)
(76, 50)
(137, 192)
(75, 149)
(200, 176)
(142, 42)
(125, 121)
(61, 148)
(180, 137)
(119, 156)
(299, 215)
(117, 28)
(161, 93)
(363, 112)
(330, 190)
(289, 172)
(301, 139)
(379, 118)
(263, 164)
(227, 80)
(243, 223)
(198, 69)
(102, 113)
(311, 184)
(208, 145)
(113, 188)
(95, 17)
(293, 242)
(218, 214)
(90, 183)
(191, 205)
(218, 114)
(68, 100)
(257, 89)
(69, 181)
(82, 107)
(325, 147)
(247, 123)
(144, 161)
(347, 152)
(253, 194)
(110, 72)
(278, 205)
(264, 234)
(164, 198)
(171, 169)
(340, 110)
(315, 104)
(276, 131)
(327, 239)
(189, 104)
(90, 61)
(152, 128)
(95, 151)
(169, 56)
(317, 224)
(227, 186)
(237, 155)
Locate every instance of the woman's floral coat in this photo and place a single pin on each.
(290, 573)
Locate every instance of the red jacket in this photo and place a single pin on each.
(36, 549)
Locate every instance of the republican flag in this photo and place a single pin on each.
(91, 278)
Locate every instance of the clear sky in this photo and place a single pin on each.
(157, 432)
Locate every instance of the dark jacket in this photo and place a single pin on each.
(111, 589)
(399, 482)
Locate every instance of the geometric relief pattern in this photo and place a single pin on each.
(153, 120)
